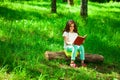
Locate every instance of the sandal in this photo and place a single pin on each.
(83, 65)
(73, 65)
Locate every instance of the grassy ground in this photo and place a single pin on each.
(28, 29)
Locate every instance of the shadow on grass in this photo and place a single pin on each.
(65, 68)
(105, 67)
(106, 30)
(11, 14)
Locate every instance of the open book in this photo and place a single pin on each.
(79, 40)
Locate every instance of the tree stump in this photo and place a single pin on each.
(61, 55)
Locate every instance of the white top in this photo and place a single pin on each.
(71, 36)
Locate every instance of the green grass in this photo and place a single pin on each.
(28, 29)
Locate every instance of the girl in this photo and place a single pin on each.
(70, 33)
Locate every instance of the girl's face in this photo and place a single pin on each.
(71, 27)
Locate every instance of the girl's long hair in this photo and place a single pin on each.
(67, 27)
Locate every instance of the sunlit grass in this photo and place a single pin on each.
(28, 29)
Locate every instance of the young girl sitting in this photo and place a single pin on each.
(70, 33)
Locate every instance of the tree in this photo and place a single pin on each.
(71, 2)
(83, 12)
(64, 0)
(53, 6)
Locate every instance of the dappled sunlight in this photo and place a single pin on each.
(28, 29)
(25, 6)
(105, 8)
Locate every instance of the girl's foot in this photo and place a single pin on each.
(83, 65)
(73, 65)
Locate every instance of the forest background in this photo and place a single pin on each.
(28, 29)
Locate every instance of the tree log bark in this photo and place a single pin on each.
(61, 55)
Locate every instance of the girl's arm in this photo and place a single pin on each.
(66, 40)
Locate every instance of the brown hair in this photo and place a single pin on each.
(67, 27)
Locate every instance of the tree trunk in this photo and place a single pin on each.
(83, 12)
(61, 55)
(64, 0)
(71, 2)
(53, 6)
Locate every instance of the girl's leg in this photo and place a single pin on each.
(73, 49)
(82, 55)
(73, 55)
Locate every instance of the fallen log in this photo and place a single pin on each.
(61, 55)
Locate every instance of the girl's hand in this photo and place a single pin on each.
(85, 36)
(69, 43)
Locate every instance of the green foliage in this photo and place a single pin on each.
(22, 0)
(103, 1)
(28, 29)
